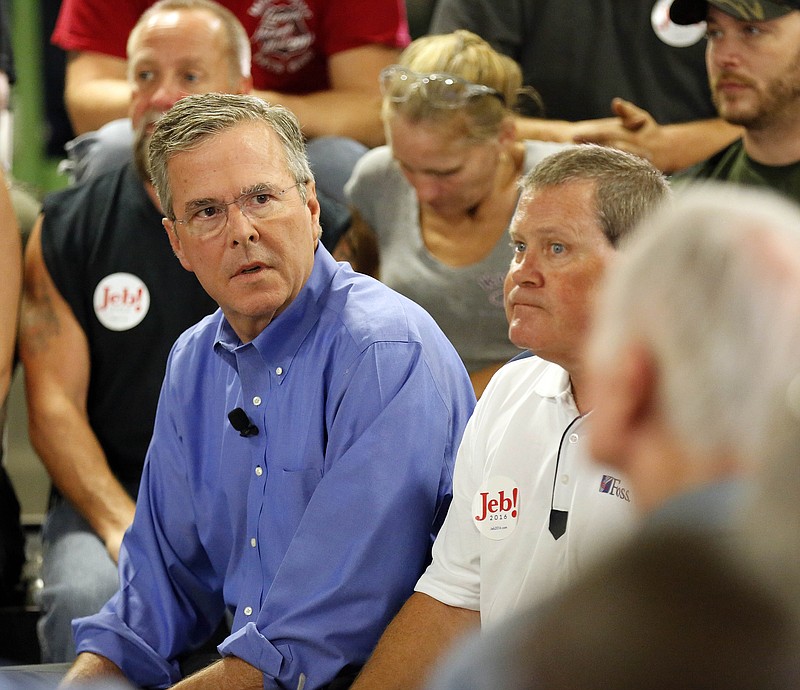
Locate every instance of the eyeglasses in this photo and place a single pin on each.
(440, 90)
(209, 220)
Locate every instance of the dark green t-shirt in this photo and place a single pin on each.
(732, 164)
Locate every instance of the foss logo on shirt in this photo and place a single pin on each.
(121, 301)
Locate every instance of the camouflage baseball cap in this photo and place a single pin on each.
(694, 11)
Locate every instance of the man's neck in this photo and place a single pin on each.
(578, 394)
(776, 145)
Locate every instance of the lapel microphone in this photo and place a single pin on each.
(241, 422)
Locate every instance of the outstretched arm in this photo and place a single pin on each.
(423, 630)
(231, 673)
(670, 147)
(90, 667)
(11, 268)
(96, 90)
(55, 354)
(352, 105)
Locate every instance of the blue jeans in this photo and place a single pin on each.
(78, 575)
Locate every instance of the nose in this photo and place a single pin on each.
(524, 270)
(166, 94)
(427, 187)
(239, 227)
(723, 52)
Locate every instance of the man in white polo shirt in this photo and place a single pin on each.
(529, 507)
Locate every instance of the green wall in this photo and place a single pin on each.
(30, 164)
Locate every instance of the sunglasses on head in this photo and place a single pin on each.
(440, 90)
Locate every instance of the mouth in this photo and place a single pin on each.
(525, 305)
(731, 84)
(249, 270)
(516, 305)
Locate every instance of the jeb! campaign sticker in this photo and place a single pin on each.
(495, 508)
(121, 301)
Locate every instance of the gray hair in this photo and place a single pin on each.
(238, 43)
(712, 289)
(627, 187)
(194, 119)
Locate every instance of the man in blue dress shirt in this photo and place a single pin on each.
(309, 513)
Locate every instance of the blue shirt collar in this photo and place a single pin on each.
(279, 342)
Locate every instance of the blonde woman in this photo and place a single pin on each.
(431, 209)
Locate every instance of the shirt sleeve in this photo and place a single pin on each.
(100, 26)
(366, 532)
(453, 577)
(170, 598)
(354, 23)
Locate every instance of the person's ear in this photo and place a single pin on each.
(175, 242)
(621, 396)
(638, 386)
(245, 85)
(312, 203)
(508, 131)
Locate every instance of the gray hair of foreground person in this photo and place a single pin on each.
(712, 290)
(238, 43)
(627, 187)
(195, 119)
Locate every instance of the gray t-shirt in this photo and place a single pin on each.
(466, 301)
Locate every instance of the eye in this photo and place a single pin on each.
(207, 213)
(191, 77)
(144, 76)
(257, 201)
(518, 247)
(752, 30)
(557, 248)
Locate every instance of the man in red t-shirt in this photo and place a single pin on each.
(319, 58)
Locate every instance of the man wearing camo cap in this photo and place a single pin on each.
(753, 62)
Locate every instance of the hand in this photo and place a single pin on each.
(633, 130)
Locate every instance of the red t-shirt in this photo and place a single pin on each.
(291, 40)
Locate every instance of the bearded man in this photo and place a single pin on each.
(753, 62)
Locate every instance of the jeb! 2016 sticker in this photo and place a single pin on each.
(495, 508)
(121, 301)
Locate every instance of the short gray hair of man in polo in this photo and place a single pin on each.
(195, 119)
(711, 289)
(239, 54)
(627, 187)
